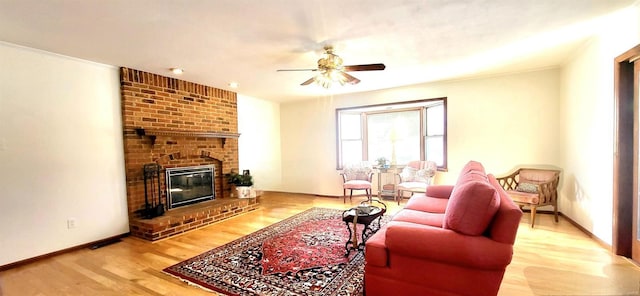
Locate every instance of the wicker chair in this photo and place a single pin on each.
(533, 188)
(357, 177)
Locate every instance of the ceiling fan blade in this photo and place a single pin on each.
(366, 67)
(309, 81)
(288, 70)
(350, 79)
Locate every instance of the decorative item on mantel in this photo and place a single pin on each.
(153, 206)
(242, 183)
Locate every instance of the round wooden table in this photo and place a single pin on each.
(365, 214)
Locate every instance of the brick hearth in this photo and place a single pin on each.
(190, 217)
(177, 123)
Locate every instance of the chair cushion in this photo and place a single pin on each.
(536, 176)
(424, 175)
(471, 207)
(357, 184)
(408, 174)
(356, 174)
(524, 197)
(527, 187)
(413, 186)
(358, 171)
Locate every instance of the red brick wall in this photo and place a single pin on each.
(155, 102)
(172, 224)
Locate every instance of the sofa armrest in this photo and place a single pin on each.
(446, 246)
(439, 191)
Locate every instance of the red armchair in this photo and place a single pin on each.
(453, 240)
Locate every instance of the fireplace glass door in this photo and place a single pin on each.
(188, 185)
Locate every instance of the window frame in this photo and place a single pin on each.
(401, 106)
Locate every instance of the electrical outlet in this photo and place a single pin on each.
(71, 223)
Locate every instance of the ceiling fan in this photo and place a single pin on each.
(330, 69)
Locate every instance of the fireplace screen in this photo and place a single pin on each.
(188, 185)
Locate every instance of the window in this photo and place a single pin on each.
(400, 132)
(434, 140)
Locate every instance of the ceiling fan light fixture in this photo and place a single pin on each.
(330, 69)
(327, 77)
(339, 77)
(323, 80)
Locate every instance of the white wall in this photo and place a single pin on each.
(259, 142)
(587, 123)
(504, 122)
(61, 153)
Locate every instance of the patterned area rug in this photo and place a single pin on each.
(301, 255)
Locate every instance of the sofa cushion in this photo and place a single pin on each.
(471, 207)
(422, 202)
(439, 191)
(471, 166)
(419, 217)
(471, 176)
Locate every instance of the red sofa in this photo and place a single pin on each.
(452, 240)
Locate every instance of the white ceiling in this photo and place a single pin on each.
(246, 41)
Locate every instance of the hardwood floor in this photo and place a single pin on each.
(550, 259)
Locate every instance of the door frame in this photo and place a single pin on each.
(624, 163)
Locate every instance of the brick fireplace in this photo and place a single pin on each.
(176, 123)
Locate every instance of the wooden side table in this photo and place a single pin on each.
(384, 192)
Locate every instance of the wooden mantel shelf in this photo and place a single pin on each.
(152, 134)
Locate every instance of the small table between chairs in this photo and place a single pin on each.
(365, 214)
(382, 191)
